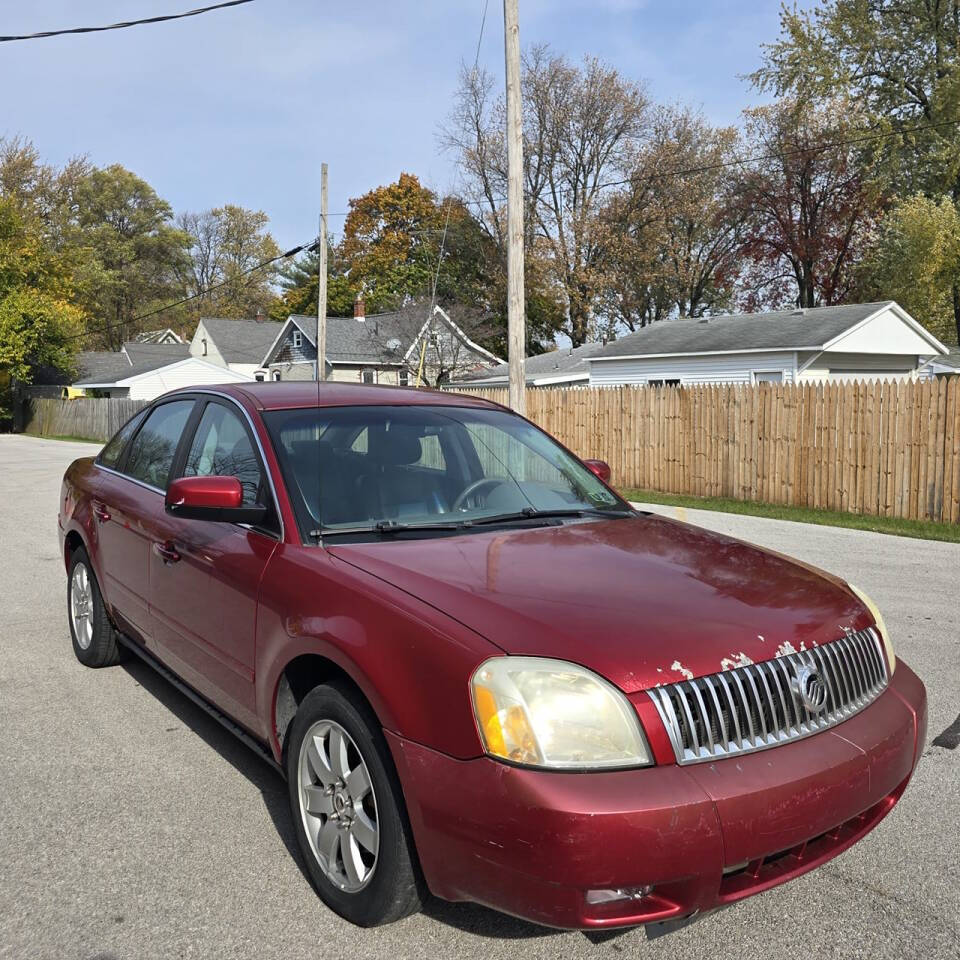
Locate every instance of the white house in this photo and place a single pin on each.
(850, 342)
(141, 384)
(563, 367)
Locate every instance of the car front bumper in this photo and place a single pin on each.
(533, 843)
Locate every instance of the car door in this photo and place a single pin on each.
(205, 576)
(127, 501)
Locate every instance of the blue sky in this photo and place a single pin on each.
(241, 105)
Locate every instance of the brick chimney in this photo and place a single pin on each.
(359, 308)
(261, 316)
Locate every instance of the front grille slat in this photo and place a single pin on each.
(707, 724)
(709, 683)
(841, 669)
(755, 706)
(761, 705)
(732, 711)
(798, 714)
(745, 712)
(855, 672)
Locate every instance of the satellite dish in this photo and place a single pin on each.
(393, 344)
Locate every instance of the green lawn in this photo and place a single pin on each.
(901, 528)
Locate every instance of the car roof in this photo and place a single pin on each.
(294, 394)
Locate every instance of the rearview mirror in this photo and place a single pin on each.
(211, 498)
(599, 468)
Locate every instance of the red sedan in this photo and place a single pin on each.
(483, 673)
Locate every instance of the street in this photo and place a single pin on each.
(133, 826)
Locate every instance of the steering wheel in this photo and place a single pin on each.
(488, 483)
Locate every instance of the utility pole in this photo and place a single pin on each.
(516, 321)
(322, 285)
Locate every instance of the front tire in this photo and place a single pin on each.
(94, 639)
(348, 810)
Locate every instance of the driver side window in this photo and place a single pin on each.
(221, 447)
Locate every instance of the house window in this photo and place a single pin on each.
(663, 383)
(258, 377)
(297, 339)
(276, 374)
(768, 376)
(404, 377)
(368, 376)
(203, 340)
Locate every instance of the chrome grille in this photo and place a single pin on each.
(760, 705)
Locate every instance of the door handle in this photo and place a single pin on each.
(166, 551)
(101, 513)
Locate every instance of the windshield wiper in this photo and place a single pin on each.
(391, 527)
(388, 527)
(531, 513)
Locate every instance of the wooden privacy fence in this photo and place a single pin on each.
(889, 449)
(89, 418)
(884, 448)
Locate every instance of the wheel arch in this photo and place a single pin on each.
(71, 543)
(302, 673)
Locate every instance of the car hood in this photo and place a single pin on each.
(642, 601)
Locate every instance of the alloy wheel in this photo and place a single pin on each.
(81, 606)
(338, 806)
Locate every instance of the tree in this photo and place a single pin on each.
(809, 205)
(39, 327)
(299, 281)
(226, 242)
(916, 261)
(673, 240)
(582, 127)
(899, 60)
(136, 256)
(392, 244)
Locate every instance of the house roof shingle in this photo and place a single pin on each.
(140, 353)
(353, 341)
(107, 366)
(563, 362)
(242, 341)
(775, 330)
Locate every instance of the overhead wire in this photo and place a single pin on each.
(303, 247)
(123, 25)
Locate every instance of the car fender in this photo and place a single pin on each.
(410, 661)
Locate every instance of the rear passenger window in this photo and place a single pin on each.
(153, 448)
(111, 452)
(221, 448)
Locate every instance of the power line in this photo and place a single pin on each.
(127, 23)
(449, 205)
(312, 245)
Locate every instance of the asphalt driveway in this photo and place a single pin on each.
(132, 826)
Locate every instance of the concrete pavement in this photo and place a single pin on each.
(132, 826)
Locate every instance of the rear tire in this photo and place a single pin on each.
(94, 639)
(348, 810)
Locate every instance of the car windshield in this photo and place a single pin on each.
(383, 468)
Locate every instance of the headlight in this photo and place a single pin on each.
(880, 624)
(550, 713)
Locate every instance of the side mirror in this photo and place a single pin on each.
(599, 468)
(211, 498)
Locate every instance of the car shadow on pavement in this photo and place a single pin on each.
(467, 917)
